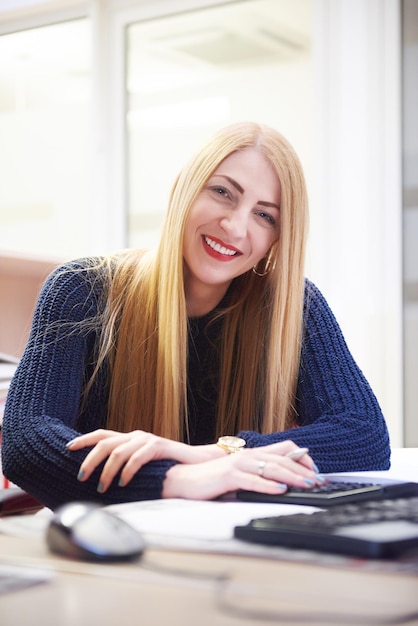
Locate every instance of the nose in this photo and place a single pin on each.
(235, 223)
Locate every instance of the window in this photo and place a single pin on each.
(190, 74)
(100, 109)
(45, 148)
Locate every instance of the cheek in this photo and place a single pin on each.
(196, 217)
(205, 209)
(265, 240)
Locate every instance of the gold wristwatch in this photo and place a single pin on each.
(231, 444)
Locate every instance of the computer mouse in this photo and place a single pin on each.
(87, 531)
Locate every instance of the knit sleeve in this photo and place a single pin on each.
(339, 417)
(43, 401)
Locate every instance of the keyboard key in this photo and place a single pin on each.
(378, 529)
(334, 493)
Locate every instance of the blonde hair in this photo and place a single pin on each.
(145, 334)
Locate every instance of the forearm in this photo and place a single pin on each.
(336, 443)
(339, 417)
(36, 458)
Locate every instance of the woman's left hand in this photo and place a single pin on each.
(267, 469)
(128, 452)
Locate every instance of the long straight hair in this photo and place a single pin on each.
(144, 337)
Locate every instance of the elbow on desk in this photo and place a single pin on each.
(365, 453)
(16, 465)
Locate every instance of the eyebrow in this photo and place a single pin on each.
(241, 190)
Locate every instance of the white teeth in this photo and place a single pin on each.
(219, 248)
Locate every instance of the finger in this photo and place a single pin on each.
(280, 469)
(136, 460)
(112, 467)
(304, 468)
(89, 439)
(155, 448)
(126, 458)
(159, 448)
(289, 449)
(302, 464)
(253, 477)
(282, 474)
(97, 455)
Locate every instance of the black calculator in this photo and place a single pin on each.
(378, 529)
(335, 491)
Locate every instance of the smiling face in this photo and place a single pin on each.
(231, 226)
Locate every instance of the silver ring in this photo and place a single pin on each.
(261, 466)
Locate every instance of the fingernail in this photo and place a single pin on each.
(81, 474)
(320, 478)
(309, 482)
(70, 443)
(315, 468)
(281, 486)
(100, 487)
(121, 483)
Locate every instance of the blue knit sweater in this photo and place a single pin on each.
(340, 420)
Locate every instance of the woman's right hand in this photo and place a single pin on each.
(128, 452)
(265, 470)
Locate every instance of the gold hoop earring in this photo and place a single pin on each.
(269, 265)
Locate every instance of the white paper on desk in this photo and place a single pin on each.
(404, 466)
(202, 520)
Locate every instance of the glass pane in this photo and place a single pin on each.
(410, 217)
(45, 145)
(192, 73)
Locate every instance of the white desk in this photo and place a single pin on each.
(83, 594)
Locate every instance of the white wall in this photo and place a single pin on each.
(357, 211)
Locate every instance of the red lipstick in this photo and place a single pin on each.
(218, 249)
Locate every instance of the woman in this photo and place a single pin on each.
(138, 363)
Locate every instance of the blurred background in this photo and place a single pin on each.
(103, 101)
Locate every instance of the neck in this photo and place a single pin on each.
(202, 301)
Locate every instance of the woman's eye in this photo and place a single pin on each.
(221, 191)
(267, 217)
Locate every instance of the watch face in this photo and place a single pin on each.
(231, 444)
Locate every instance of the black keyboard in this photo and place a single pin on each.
(335, 492)
(380, 529)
